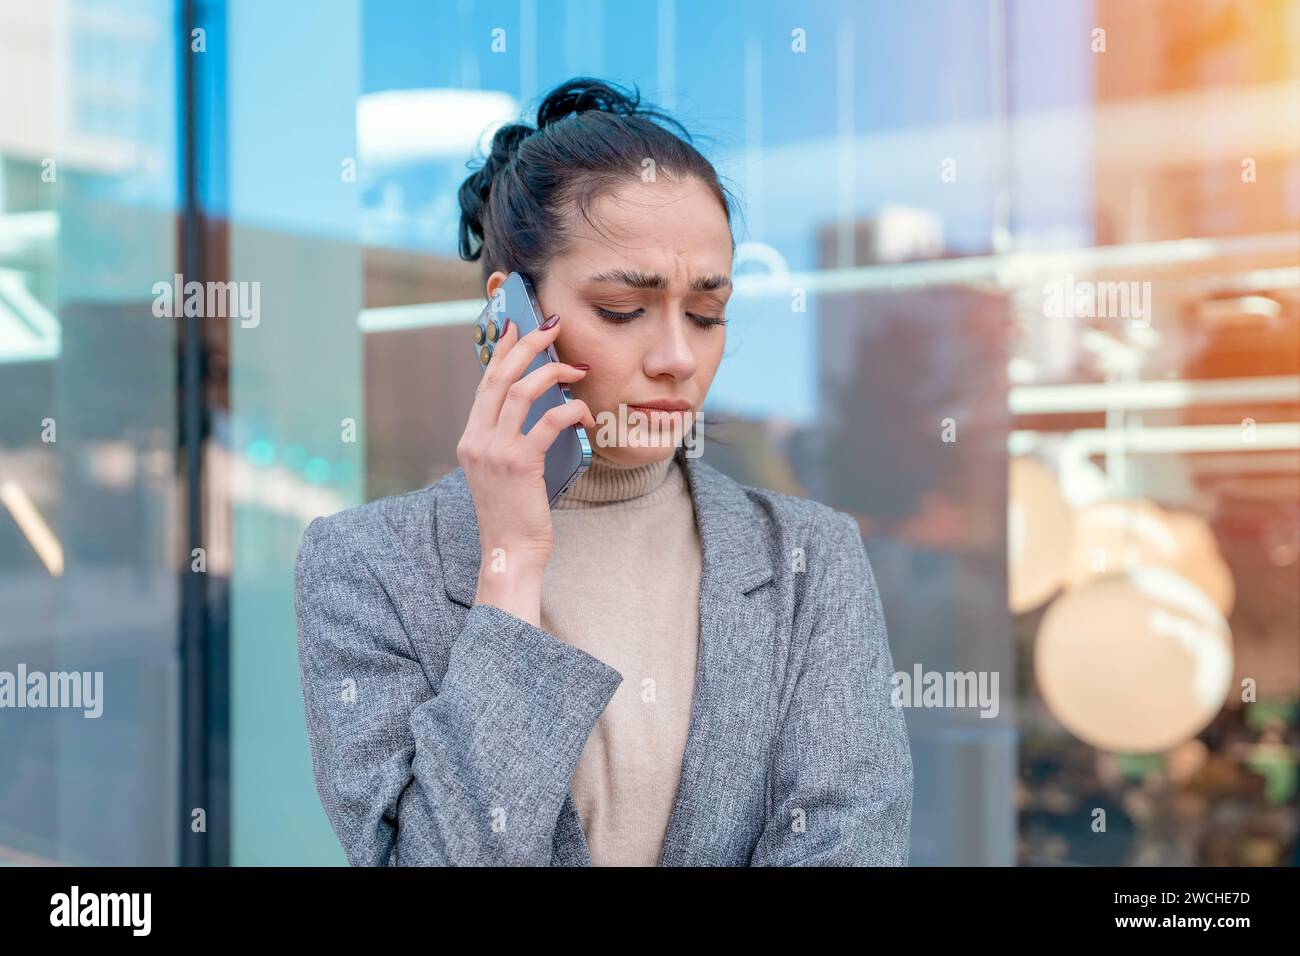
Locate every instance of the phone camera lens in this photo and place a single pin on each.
(479, 335)
(492, 330)
(484, 354)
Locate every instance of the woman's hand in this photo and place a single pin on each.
(506, 469)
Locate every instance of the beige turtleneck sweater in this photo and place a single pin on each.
(623, 584)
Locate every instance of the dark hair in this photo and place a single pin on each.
(590, 136)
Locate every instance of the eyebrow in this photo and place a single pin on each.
(652, 280)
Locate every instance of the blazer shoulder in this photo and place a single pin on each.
(817, 553)
(792, 532)
(790, 516)
(375, 528)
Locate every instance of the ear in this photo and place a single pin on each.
(494, 282)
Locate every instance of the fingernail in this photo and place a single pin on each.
(505, 327)
(549, 323)
(582, 365)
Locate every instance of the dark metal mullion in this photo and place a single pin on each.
(194, 850)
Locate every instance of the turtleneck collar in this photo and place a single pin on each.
(607, 484)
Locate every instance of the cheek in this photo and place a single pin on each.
(583, 342)
(708, 355)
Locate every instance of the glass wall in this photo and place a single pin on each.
(1016, 286)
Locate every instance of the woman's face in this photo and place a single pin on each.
(639, 302)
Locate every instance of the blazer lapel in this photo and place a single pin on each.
(731, 662)
(734, 665)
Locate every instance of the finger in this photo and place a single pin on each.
(521, 395)
(543, 434)
(527, 348)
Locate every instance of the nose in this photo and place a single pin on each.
(671, 354)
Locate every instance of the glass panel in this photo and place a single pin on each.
(89, 532)
(294, 441)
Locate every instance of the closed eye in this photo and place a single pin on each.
(613, 316)
(609, 315)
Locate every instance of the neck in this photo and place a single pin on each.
(609, 483)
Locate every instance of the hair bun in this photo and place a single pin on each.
(589, 134)
(505, 143)
(475, 190)
(584, 94)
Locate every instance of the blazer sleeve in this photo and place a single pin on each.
(473, 771)
(841, 775)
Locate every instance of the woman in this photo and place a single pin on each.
(666, 668)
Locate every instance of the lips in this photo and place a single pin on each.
(663, 405)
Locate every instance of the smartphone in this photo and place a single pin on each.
(570, 454)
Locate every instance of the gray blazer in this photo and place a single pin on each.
(446, 733)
